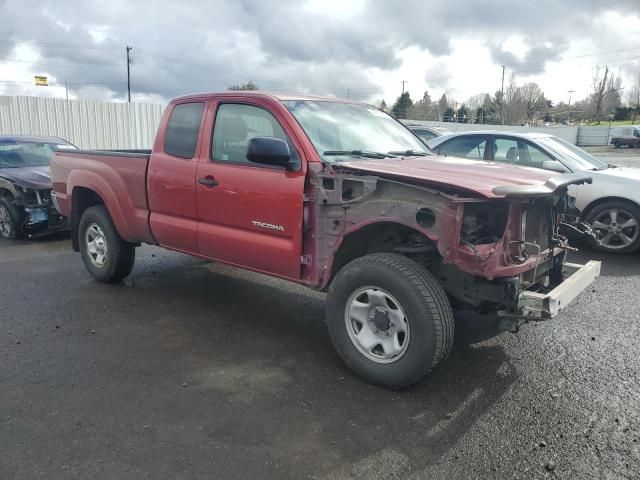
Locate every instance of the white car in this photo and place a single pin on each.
(611, 204)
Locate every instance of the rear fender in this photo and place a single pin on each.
(115, 205)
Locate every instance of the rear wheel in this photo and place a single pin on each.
(616, 144)
(11, 219)
(389, 319)
(107, 257)
(617, 226)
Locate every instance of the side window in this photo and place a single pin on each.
(425, 135)
(181, 136)
(471, 146)
(236, 124)
(506, 150)
(535, 156)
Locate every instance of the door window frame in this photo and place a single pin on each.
(292, 141)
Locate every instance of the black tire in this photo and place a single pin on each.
(616, 144)
(119, 255)
(425, 304)
(629, 210)
(16, 220)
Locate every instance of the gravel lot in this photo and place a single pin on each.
(190, 371)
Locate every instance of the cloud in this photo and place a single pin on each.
(532, 62)
(181, 47)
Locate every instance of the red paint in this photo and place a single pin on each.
(468, 175)
(158, 199)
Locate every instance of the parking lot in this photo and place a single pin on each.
(194, 370)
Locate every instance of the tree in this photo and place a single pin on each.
(421, 108)
(383, 105)
(244, 86)
(599, 91)
(402, 106)
(443, 105)
(463, 114)
(514, 109)
(490, 110)
(533, 98)
(449, 115)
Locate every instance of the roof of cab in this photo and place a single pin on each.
(264, 94)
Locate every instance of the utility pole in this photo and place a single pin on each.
(502, 98)
(348, 93)
(569, 107)
(635, 110)
(403, 82)
(129, 72)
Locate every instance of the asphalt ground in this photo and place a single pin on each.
(190, 370)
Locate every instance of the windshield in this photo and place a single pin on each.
(574, 157)
(338, 130)
(17, 155)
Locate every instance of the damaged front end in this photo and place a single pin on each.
(524, 236)
(494, 255)
(37, 213)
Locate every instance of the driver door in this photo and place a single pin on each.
(249, 214)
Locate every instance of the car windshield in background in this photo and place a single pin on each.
(338, 130)
(575, 157)
(18, 155)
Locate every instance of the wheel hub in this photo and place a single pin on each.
(377, 325)
(96, 245)
(616, 228)
(380, 318)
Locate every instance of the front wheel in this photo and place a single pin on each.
(389, 319)
(11, 219)
(617, 226)
(107, 257)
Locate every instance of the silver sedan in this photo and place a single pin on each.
(611, 204)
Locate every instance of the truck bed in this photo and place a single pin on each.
(107, 172)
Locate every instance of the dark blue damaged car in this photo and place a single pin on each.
(26, 208)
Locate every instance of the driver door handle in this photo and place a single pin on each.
(208, 181)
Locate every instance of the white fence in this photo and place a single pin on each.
(93, 124)
(570, 134)
(87, 124)
(594, 135)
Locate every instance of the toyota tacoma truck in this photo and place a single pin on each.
(342, 198)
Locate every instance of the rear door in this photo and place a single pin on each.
(249, 214)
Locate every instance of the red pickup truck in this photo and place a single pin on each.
(338, 196)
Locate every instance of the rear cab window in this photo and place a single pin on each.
(181, 134)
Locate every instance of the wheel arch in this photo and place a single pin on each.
(599, 201)
(81, 199)
(376, 237)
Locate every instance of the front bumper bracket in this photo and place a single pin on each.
(544, 306)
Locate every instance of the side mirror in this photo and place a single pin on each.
(554, 166)
(269, 151)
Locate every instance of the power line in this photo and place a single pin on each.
(61, 45)
(63, 65)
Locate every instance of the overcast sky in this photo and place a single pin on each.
(365, 47)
